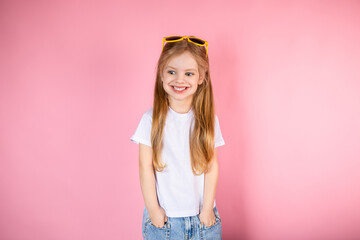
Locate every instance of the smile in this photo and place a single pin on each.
(179, 90)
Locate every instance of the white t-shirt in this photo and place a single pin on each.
(179, 191)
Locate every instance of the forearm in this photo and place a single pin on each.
(148, 187)
(210, 184)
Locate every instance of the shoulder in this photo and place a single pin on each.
(149, 112)
(216, 122)
(147, 116)
(216, 118)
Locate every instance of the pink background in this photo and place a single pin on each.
(76, 76)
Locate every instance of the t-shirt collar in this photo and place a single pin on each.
(181, 115)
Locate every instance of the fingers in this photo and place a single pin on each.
(211, 224)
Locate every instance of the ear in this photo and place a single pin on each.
(201, 80)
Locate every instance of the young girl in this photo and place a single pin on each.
(177, 140)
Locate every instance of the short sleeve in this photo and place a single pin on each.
(219, 141)
(143, 131)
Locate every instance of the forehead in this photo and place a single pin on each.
(183, 61)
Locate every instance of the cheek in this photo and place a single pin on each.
(195, 87)
(165, 79)
(196, 82)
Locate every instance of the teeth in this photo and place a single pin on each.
(179, 89)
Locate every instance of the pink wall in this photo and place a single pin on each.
(75, 78)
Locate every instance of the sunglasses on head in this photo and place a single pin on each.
(195, 40)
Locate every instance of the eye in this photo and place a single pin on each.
(190, 73)
(171, 72)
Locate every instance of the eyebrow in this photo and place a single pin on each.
(185, 69)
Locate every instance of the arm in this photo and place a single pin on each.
(211, 179)
(147, 177)
(210, 182)
(148, 188)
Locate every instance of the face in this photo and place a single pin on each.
(181, 79)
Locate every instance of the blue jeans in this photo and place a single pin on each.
(183, 228)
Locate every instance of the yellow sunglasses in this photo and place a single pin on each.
(195, 40)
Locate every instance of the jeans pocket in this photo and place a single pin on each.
(166, 224)
(151, 232)
(213, 232)
(217, 222)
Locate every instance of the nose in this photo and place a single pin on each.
(180, 79)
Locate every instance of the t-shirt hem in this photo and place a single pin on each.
(185, 213)
(182, 213)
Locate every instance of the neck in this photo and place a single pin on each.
(180, 107)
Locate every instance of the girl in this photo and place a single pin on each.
(177, 140)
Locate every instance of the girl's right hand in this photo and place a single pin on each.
(158, 217)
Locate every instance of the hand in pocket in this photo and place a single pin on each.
(207, 217)
(158, 217)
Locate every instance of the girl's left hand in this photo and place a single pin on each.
(207, 217)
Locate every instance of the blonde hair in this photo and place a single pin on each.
(201, 138)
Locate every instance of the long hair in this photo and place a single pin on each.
(201, 137)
